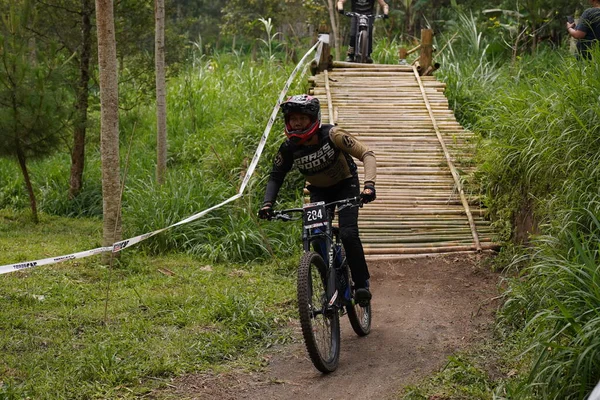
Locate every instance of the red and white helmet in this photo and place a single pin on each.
(302, 104)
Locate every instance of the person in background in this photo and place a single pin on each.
(362, 7)
(587, 31)
(323, 154)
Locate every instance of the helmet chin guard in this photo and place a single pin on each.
(302, 104)
(300, 136)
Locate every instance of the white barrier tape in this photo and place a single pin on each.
(123, 244)
(54, 260)
(263, 139)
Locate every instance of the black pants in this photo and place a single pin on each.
(348, 222)
(353, 33)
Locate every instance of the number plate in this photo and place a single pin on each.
(315, 215)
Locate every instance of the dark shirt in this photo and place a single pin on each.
(363, 6)
(324, 164)
(590, 24)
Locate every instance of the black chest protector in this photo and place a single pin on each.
(318, 158)
(363, 6)
(323, 164)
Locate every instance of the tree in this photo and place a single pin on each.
(195, 20)
(331, 6)
(82, 91)
(69, 22)
(161, 93)
(32, 116)
(109, 122)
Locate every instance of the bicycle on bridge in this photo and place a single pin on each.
(362, 39)
(325, 288)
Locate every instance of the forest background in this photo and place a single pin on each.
(511, 78)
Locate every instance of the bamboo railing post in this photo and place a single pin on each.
(325, 60)
(453, 170)
(329, 104)
(425, 59)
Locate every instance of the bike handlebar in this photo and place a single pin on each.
(355, 14)
(349, 202)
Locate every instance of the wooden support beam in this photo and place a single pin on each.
(453, 169)
(426, 56)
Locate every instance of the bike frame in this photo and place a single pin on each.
(326, 242)
(362, 24)
(325, 269)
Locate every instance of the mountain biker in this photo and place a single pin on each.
(587, 32)
(323, 154)
(362, 7)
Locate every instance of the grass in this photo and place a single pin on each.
(488, 370)
(204, 296)
(537, 117)
(83, 330)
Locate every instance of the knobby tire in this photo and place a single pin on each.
(320, 327)
(363, 46)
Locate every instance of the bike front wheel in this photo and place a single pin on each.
(363, 46)
(320, 322)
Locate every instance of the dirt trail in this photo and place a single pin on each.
(424, 309)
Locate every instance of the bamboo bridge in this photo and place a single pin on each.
(422, 153)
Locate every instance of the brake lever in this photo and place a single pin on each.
(283, 217)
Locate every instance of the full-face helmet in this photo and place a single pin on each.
(302, 104)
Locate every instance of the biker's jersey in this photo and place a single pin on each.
(324, 164)
(363, 6)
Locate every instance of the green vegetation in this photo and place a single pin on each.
(209, 294)
(82, 330)
(192, 299)
(217, 113)
(32, 99)
(538, 118)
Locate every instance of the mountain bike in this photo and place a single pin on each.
(361, 44)
(325, 288)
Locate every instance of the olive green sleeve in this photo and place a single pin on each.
(349, 144)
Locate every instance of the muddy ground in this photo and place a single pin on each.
(424, 309)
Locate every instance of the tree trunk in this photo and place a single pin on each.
(161, 93)
(109, 122)
(533, 38)
(407, 22)
(78, 154)
(334, 27)
(32, 201)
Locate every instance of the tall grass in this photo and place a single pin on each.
(217, 114)
(538, 119)
(558, 299)
(385, 51)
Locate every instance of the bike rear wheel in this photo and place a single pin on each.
(320, 323)
(359, 316)
(363, 46)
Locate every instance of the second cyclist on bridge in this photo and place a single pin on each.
(362, 7)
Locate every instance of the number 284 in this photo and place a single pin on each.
(314, 215)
